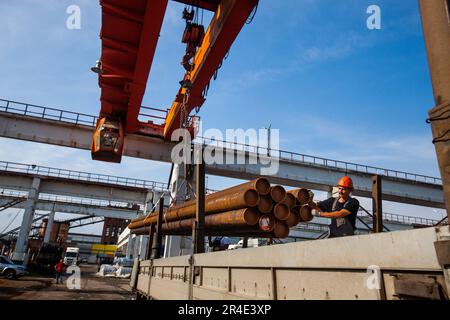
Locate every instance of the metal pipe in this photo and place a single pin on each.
(302, 195)
(436, 29)
(293, 219)
(231, 219)
(306, 213)
(290, 200)
(265, 204)
(266, 222)
(237, 200)
(260, 185)
(277, 193)
(281, 211)
(281, 230)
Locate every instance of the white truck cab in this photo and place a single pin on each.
(251, 243)
(72, 256)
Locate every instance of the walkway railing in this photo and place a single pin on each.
(318, 161)
(403, 219)
(66, 199)
(84, 119)
(79, 175)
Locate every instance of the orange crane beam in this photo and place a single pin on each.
(210, 5)
(130, 32)
(228, 20)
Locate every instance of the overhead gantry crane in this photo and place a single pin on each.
(129, 35)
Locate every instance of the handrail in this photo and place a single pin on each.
(84, 119)
(404, 219)
(319, 161)
(36, 111)
(22, 195)
(79, 175)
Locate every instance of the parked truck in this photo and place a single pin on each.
(72, 256)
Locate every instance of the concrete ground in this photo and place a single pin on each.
(91, 287)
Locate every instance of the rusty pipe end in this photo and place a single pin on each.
(281, 230)
(262, 186)
(306, 213)
(265, 204)
(251, 198)
(266, 222)
(281, 211)
(251, 216)
(303, 196)
(293, 219)
(277, 193)
(290, 200)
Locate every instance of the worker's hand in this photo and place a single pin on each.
(316, 213)
(313, 205)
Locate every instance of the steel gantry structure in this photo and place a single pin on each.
(95, 196)
(66, 128)
(129, 36)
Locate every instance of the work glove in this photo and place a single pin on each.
(315, 213)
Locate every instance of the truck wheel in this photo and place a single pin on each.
(10, 274)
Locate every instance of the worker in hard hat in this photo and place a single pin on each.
(341, 210)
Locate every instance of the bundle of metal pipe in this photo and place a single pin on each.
(298, 202)
(302, 195)
(250, 208)
(246, 195)
(241, 222)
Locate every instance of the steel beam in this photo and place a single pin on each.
(436, 28)
(198, 236)
(20, 253)
(377, 204)
(130, 32)
(74, 208)
(48, 230)
(157, 234)
(74, 188)
(291, 173)
(306, 175)
(78, 136)
(225, 26)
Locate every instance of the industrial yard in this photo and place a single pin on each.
(34, 287)
(187, 150)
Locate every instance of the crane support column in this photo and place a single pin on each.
(48, 229)
(199, 224)
(20, 253)
(377, 204)
(436, 28)
(129, 245)
(157, 235)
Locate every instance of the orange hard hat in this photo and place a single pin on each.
(346, 182)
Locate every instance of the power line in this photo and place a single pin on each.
(3, 231)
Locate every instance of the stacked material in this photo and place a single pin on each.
(253, 209)
(298, 201)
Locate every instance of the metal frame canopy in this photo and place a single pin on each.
(129, 36)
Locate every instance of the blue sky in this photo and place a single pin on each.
(308, 67)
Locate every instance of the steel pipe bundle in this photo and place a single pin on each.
(251, 209)
(277, 193)
(302, 195)
(246, 195)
